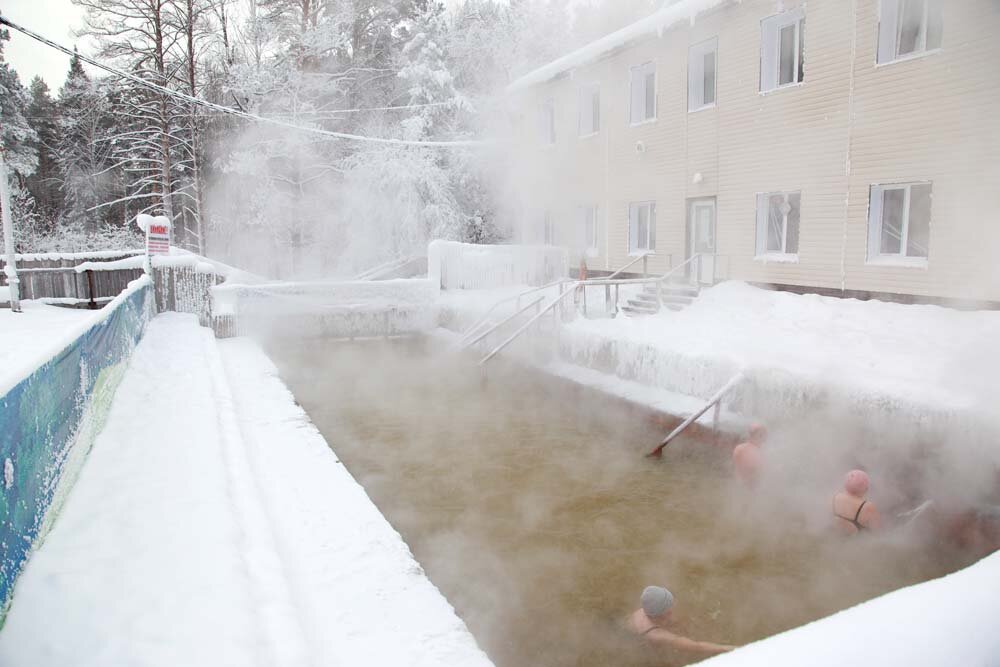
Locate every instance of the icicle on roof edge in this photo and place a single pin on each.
(657, 22)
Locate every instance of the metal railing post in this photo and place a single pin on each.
(608, 308)
(645, 265)
(616, 299)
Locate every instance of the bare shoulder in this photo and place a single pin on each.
(869, 511)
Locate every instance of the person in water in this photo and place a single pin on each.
(747, 458)
(853, 513)
(653, 621)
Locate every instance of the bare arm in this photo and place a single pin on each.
(662, 637)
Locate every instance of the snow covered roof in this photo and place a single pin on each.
(657, 23)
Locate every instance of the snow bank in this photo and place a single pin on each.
(42, 332)
(656, 23)
(135, 262)
(927, 355)
(454, 265)
(338, 309)
(947, 621)
(71, 256)
(212, 525)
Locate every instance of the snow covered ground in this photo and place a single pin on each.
(922, 353)
(30, 338)
(211, 525)
(947, 621)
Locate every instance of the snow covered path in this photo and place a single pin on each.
(211, 525)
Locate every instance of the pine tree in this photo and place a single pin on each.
(43, 115)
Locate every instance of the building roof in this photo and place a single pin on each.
(657, 23)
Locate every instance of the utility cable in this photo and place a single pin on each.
(234, 112)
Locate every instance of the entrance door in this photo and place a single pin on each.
(701, 237)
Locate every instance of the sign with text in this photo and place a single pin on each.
(157, 230)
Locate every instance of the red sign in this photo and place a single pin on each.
(158, 239)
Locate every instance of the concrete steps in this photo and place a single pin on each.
(673, 296)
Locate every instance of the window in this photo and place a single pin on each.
(548, 122)
(781, 50)
(590, 110)
(907, 28)
(899, 221)
(548, 229)
(643, 92)
(778, 223)
(702, 59)
(641, 227)
(588, 227)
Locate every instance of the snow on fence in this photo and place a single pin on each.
(76, 278)
(339, 309)
(455, 265)
(49, 418)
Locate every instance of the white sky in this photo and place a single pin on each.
(56, 20)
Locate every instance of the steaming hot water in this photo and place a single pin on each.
(531, 507)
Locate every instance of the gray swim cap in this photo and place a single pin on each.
(656, 601)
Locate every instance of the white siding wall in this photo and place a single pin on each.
(934, 118)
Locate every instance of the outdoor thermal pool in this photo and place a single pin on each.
(531, 506)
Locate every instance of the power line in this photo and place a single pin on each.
(235, 112)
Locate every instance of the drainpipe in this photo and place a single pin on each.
(8, 236)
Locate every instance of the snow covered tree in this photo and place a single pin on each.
(90, 180)
(152, 144)
(19, 140)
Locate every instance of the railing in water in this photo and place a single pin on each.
(715, 401)
(474, 329)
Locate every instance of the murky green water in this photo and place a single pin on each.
(531, 507)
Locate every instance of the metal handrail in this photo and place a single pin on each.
(555, 302)
(712, 402)
(486, 316)
(507, 319)
(642, 256)
(584, 283)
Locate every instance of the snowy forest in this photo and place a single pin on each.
(85, 160)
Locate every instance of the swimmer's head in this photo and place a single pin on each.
(856, 483)
(758, 433)
(656, 601)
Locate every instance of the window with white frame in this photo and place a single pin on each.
(642, 88)
(778, 217)
(907, 28)
(899, 221)
(641, 227)
(588, 228)
(781, 50)
(548, 229)
(590, 109)
(702, 61)
(547, 120)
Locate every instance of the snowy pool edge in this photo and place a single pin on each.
(395, 614)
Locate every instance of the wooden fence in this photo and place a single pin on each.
(54, 277)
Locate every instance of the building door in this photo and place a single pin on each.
(701, 238)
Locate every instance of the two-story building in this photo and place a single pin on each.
(848, 147)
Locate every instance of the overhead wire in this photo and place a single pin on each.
(236, 112)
